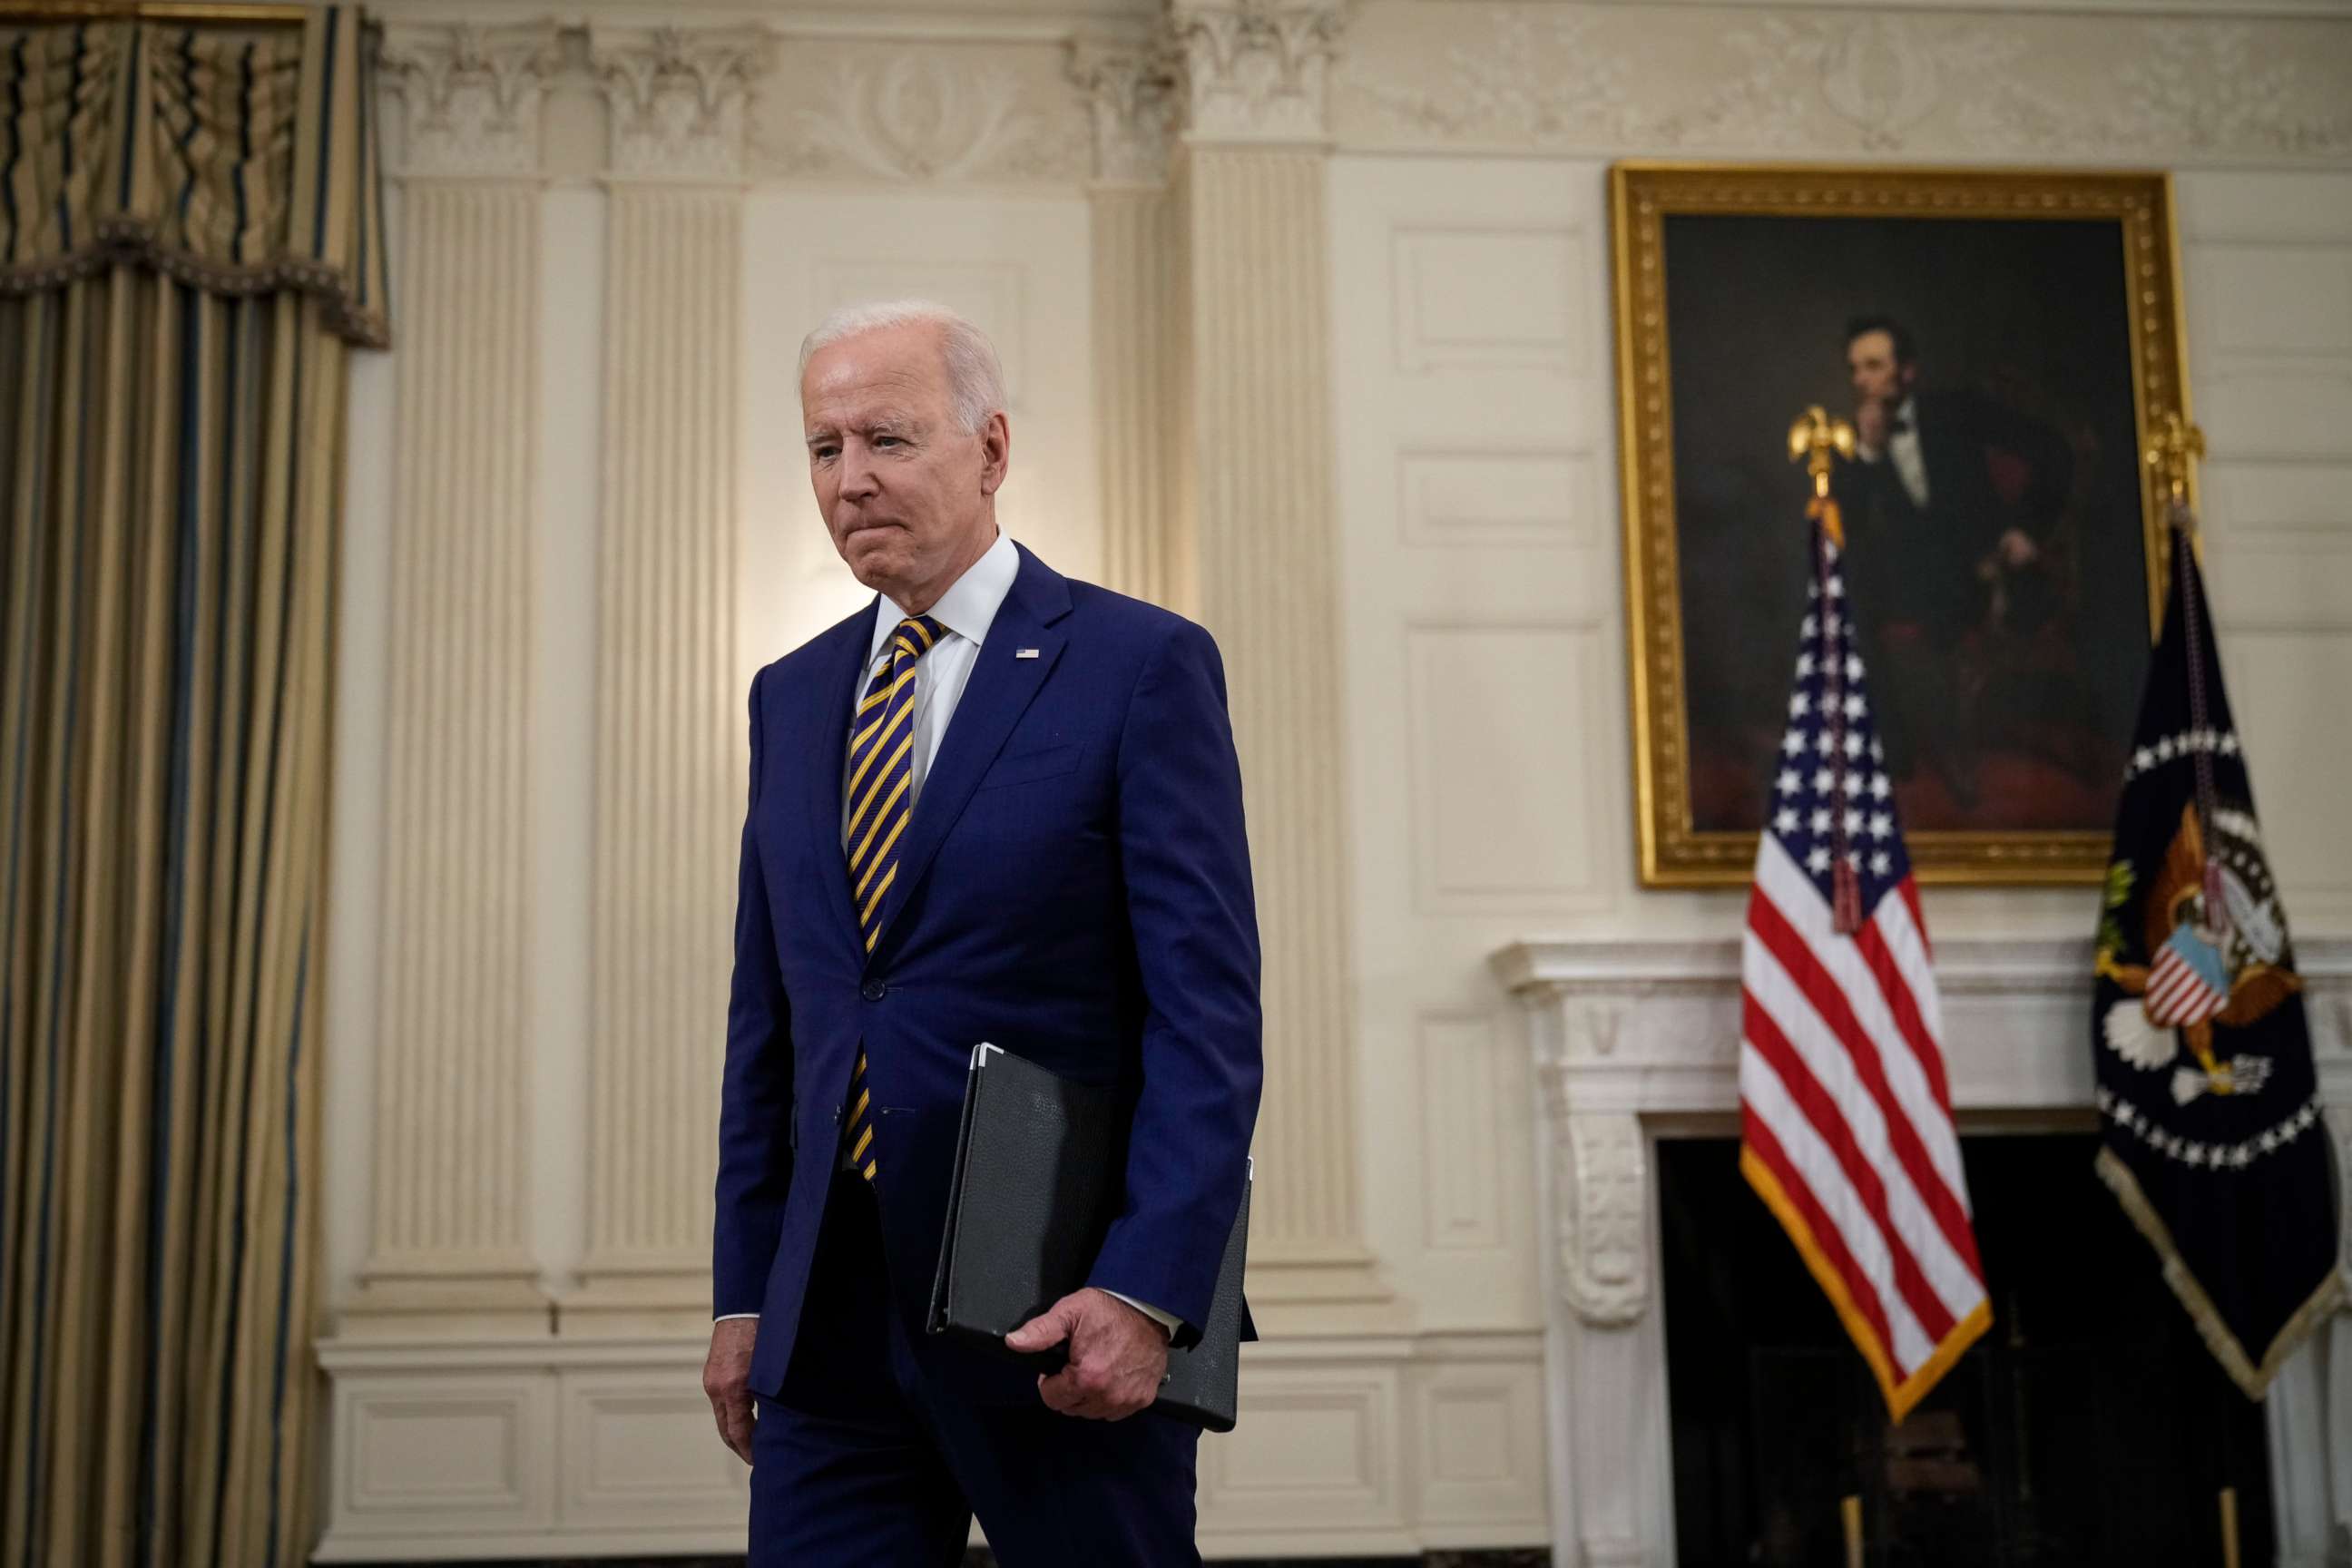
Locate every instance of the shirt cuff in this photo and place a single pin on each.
(725, 1317)
(1167, 1322)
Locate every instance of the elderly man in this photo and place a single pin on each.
(995, 805)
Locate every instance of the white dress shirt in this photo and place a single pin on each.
(1903, 448)
(964, 612)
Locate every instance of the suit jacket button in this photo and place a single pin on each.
(874, 991)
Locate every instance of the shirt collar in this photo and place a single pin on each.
(968, 607)
(1907, 410)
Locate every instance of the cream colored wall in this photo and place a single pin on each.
(611, 242)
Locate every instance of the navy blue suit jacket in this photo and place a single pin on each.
(1074, 886)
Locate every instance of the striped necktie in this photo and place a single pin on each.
(882, 795)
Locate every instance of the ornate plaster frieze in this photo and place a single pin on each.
(1129, 90)
(1255, 71)
(973, 113)
(469, 96)
(678, 97)
(1735, 79)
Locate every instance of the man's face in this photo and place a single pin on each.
(1877, 376)
(905, 492)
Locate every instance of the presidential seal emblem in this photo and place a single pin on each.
(2212, 960)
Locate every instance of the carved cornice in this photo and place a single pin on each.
(677, 98)
(1255, 71)
(471, 97)
(1130, 91)
(1834, 82)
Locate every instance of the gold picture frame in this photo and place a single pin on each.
(1682, 846)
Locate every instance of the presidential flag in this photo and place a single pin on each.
(1846, 1119)
(2210, 1108)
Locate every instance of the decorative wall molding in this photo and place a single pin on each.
(1129, 90)
(1816, 81)
(953, 113)
(471, 97)
(676, 97)
(1255, 71)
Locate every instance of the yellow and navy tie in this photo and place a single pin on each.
(882, 798)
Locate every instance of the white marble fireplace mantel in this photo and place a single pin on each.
(1635, 1041)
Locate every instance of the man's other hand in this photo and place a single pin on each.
(726, 1379)
(1117, 1356)
(1870, 420)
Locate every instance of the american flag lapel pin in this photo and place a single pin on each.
(1024, 653)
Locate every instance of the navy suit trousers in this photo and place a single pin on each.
(869, 1458)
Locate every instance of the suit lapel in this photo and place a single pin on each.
(844, 661)
(997, 694)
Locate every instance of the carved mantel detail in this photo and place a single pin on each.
(1602, 1182)
(677, 98)
(1130, 90)
(470, 96)
(1257, 70)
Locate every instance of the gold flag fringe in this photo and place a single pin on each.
(2254, 1380)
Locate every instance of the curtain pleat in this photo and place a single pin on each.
(182, 273)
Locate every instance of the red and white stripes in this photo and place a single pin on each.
(1847, 1126)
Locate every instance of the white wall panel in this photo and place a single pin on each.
(2268, 258)
(1504, 808)
(1454, 496)
(1462, 1070)
(1489, 296)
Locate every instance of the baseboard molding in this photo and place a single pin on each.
(1398, 1448)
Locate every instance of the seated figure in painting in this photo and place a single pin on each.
(1950, 509)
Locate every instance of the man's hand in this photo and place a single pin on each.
(2018, 549)
(1871, 419)
(1117, 1359)
(726, 1375)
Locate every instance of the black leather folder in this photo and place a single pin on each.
(1039, 1171)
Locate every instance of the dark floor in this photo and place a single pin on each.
(1535, 1557)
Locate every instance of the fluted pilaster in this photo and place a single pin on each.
(670, 755)
(1263, 535)
(450, 1237)
(1128, 93)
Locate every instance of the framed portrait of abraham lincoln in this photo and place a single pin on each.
(2003, 344)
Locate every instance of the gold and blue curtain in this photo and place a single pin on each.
(190, 244)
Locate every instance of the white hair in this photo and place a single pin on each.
(975, 377)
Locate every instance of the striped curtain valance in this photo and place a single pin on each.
(239, 159)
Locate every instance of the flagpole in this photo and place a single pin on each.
(1816, 436)
(1850, 1516)
(2228, 1527)
(2176, 448)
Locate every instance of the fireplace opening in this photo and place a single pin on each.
(2088, 1426)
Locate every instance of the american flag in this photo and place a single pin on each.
(1846, 1119)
